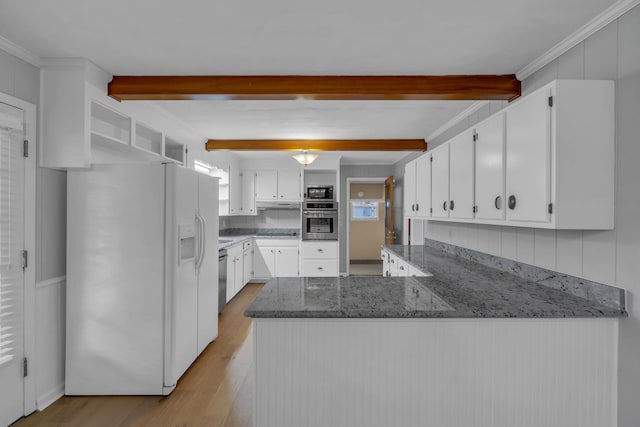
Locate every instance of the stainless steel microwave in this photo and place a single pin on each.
(319, 192)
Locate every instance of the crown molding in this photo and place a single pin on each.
(20, 52)
(609, 15)
(454, 121)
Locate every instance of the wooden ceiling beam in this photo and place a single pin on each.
(451, 87)
(318, 144)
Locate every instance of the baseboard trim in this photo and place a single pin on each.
(49, 397)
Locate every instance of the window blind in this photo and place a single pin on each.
(11, 234)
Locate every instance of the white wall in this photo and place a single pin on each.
(611, 257)
(22, 80)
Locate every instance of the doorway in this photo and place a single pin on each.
(17, 241)
(367, 219)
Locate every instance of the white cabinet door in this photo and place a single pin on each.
(528, 160)
(393, 265)
(264, 262)
(234, 271)
(440, 181)
(409, 197)
(267, 185)
(235, 191)
(287, 261)
(289, 189)
(247, 265)
(248, 206)
(461, 176)
(423, 186)
(490, 201)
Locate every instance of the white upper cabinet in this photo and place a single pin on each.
(461, 168)
(489, 165)
(545, 161)
(235, 191)
(289, 187)
(409, 195)
(278, 186)
(528, 158)
(267, 185)
(248, 206)
(423, 186)
(82, 126)
(440, 181)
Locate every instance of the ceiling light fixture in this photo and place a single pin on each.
(305, 158)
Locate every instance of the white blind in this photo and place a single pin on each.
(11, 238)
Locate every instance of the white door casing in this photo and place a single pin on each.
(17, 233)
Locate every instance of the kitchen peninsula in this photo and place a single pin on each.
(469, 345)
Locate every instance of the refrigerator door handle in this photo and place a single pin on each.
(199, 242)
(203, 240)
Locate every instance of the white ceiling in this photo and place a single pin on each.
(329, 37)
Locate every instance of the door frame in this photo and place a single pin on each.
(30, 245)
(356, 180)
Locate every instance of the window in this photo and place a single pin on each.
(364, 210)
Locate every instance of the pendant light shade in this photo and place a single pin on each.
(305, 158)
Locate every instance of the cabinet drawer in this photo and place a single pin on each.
(319, 268)
(320, 250)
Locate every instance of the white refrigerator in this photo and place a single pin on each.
(142, 276)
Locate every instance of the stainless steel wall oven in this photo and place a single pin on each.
(320, 221)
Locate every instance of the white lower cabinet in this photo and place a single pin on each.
(319, 259)
(394, 266)
(235, 270)
(276, 258)
(247, 263)
(239, 267)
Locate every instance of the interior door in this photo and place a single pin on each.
(389, 231)
(11, 272)
(208, 272)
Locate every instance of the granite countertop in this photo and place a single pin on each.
(232, 237)
(458, 288)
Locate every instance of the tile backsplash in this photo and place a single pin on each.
(268, 218)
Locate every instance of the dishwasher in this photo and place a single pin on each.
(222, 279)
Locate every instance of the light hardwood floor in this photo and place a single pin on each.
(215, 391)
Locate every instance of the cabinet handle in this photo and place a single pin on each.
(413, 208)
(320, 250)
(320, 268)
(279, 251)
(451, 205)
(281, 195)
(498, 202)
(393, 261)
(402, 267)
(444, 205)
(512, 202)
(272, 251)
(417, 207)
